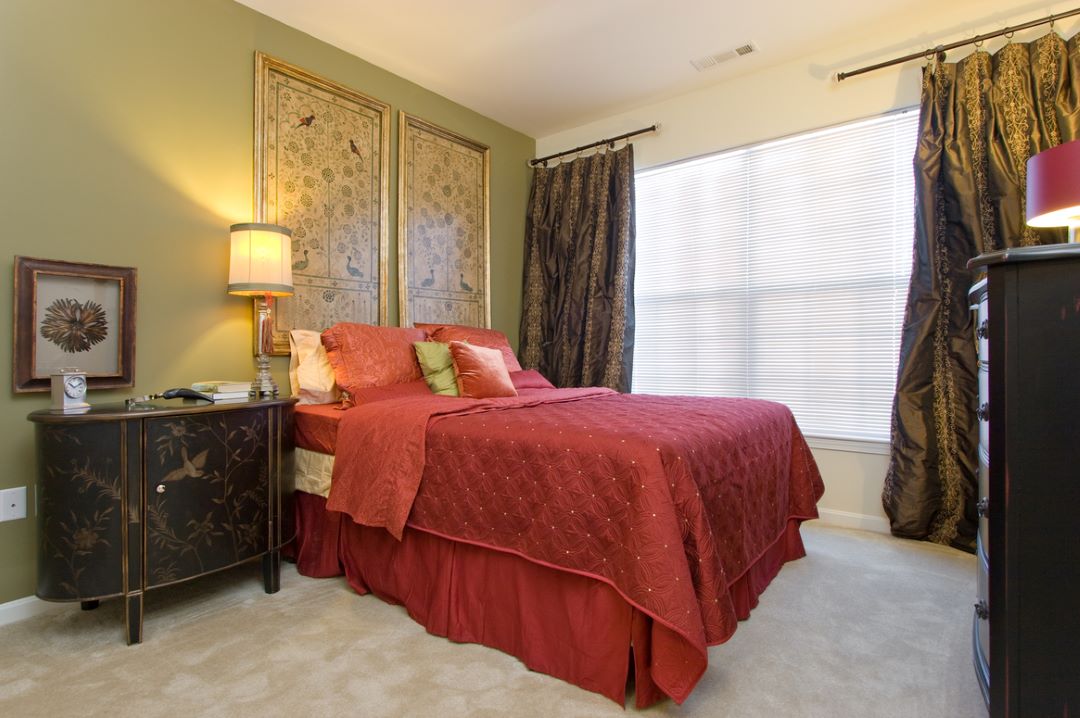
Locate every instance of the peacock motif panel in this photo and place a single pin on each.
(322, 166)
(443, 232)
(206, 493)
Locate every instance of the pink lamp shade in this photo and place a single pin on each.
(1053, 187)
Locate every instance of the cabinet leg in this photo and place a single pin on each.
(272, 571)
(133, 610)
(89, 605)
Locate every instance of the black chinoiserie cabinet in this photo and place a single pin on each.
(1026, 623)
(136, 499)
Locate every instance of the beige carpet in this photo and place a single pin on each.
(865, 625)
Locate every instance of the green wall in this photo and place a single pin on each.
(126, 139)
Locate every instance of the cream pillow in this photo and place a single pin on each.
(310, 375)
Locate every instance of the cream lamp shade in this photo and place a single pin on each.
(260, 260)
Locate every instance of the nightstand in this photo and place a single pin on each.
(1026, 629)
(136, 499)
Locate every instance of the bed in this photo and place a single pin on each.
(604, 539)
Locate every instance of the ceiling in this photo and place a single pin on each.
(542, 66)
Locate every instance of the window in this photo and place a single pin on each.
(780, 271)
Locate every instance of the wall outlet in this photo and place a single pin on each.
(13, 504)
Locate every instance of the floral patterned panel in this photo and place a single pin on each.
(321, 152)
(442, 226)
(213, 460)
(81, 512)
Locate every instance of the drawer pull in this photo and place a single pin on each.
(983, 412)
(161, 488)
(983, 331)
(982, 611)
(982, 507)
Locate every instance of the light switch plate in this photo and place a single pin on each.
(13, 503)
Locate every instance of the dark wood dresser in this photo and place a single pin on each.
(136, 499)
(1026, 625)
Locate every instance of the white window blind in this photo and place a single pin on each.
(780, 272)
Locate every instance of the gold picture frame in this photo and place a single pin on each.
(73, 315)
(322, 166)
(444, 271)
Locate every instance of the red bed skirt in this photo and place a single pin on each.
(570, 626)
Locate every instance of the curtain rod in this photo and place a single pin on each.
(940, 49)
(609, 141)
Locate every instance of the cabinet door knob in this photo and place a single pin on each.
(161, 488)
(983, 412)
(982, 610)
(982, 507)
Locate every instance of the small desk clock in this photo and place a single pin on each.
(68, 391)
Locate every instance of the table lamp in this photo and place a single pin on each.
(1053, 188)
(260, 266)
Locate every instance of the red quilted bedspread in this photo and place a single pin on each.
(667, 499)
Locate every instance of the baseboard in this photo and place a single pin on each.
(21, 608)
(849, 520)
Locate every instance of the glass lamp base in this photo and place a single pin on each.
(264, 384)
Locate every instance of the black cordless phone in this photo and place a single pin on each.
(185, 393)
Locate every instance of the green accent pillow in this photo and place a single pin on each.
(438, 366)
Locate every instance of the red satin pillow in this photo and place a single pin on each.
(481, 371)
(372, 394)
(491, 338)
(530, 379)
(364, 355)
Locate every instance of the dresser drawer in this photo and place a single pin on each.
(982, 621)
(984, 425)
(982, 498)
(982, 343)
(982, 331)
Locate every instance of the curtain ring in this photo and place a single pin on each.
(978, 44)
(1009, 35)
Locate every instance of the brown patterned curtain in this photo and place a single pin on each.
(981, 119)
(577, 320)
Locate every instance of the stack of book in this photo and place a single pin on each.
(218, 390)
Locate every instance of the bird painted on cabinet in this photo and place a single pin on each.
(354, 149)
(192, 468)
(306, 121)
(463, 283)
(353, 271)
(302, 263)
(430, 281)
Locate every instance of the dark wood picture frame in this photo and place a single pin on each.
(91, 327)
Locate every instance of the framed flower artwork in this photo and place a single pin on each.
(73, 316)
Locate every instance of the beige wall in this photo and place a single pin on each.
(798, 96)
(127, 140)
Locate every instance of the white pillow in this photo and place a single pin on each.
(310, 375)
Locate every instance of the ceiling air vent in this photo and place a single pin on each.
(704, 63)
